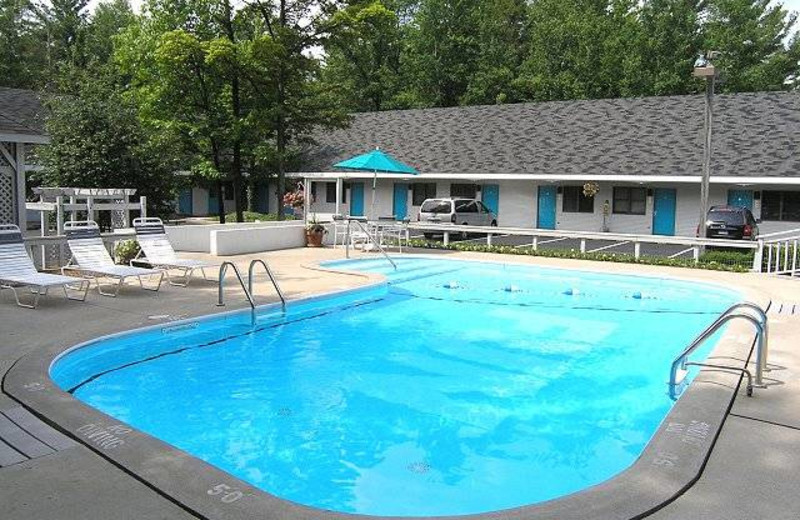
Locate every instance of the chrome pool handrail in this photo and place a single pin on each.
(222, 269)
(272, 278)
(732, 312)
(369, 236)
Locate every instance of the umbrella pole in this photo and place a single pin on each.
(372, 207)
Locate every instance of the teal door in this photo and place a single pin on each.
(262, 198)
(490, 196)
(664, 211)
(185, 201)
(400, 201)
(742, 198)
(546, 215)
(357, 199)
(212, 201)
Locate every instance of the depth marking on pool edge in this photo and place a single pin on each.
(104, 437)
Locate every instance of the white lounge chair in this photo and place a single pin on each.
(17, 270)
(91, 258)
(159, 253)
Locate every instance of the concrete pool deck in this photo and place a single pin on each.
(751, 473)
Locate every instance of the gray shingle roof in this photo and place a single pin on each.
(754, 135)
(21, 112)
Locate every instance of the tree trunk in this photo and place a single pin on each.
(220, 202)
(236, 164)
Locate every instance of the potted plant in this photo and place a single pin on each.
(315, 232)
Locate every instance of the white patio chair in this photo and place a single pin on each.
(91, 258)
(157, 252)
(17, 270)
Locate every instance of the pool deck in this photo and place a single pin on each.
(752, 472)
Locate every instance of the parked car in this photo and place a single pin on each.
(464, 212)
(731, 222)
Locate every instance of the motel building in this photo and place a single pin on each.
(529, 162)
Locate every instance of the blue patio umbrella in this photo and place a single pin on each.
(376, 161)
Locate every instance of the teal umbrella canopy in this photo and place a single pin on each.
(376, 161)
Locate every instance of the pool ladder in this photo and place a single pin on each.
(248, 288)
(744, 310)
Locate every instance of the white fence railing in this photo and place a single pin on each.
(692, 245)
(777, 252)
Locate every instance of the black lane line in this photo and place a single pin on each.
(549, 306)
(215, 342)
(765, 421)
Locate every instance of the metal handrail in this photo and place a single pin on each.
(371, 239)
(255, 262)
(759, 322)
(222, 269)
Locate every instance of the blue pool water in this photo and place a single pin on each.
(459, 388)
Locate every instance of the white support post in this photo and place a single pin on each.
(74, 213)
(43, 232)
(307, 199)
(489, 239)
(60, 227)
(89, 208)
(583, 245)
(637, 250)
(758, 258)
(126, 215)
(446, 238)
(143, 206)
(22, 216)
(339, 188)
(535, 243)
(794, 258)
(696, 253)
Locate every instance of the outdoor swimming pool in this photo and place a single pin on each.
(460, 388)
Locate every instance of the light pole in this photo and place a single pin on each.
(703, 68)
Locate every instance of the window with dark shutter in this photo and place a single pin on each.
(630, 201)
(574, 201)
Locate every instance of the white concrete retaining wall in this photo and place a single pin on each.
(199, 238)
(238, 241)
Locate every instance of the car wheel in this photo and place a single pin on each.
(464, 234)
(428, 236)
(494, 223)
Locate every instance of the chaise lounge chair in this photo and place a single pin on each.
(159, 253)
(17, 270)
(91, 258)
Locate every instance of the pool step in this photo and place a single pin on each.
(23, 436)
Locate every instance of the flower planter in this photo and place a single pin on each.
(314, 238)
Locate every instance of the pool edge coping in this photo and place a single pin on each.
(670, 463)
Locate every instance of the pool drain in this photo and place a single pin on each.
(284, 412)
(419, 468)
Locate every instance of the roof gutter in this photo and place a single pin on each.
(490, 177)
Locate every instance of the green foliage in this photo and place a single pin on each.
(97, 141)
(252, 216)
(711, 263)
(125, 251)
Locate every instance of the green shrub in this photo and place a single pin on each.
(252, 216)
(125, 251)
(713, 264)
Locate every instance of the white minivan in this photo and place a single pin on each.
(463, 212)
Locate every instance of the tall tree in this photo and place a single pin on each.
(443, 50)
(363, 55)
(98, 142)
(581, 50)
(671, 41)
(290, 73)
(21, 52)
(751, 36)
(502, 32)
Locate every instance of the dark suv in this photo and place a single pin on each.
(731, 222)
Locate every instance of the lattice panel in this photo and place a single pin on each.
(7, 209)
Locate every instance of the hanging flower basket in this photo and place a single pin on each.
(590, 189)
